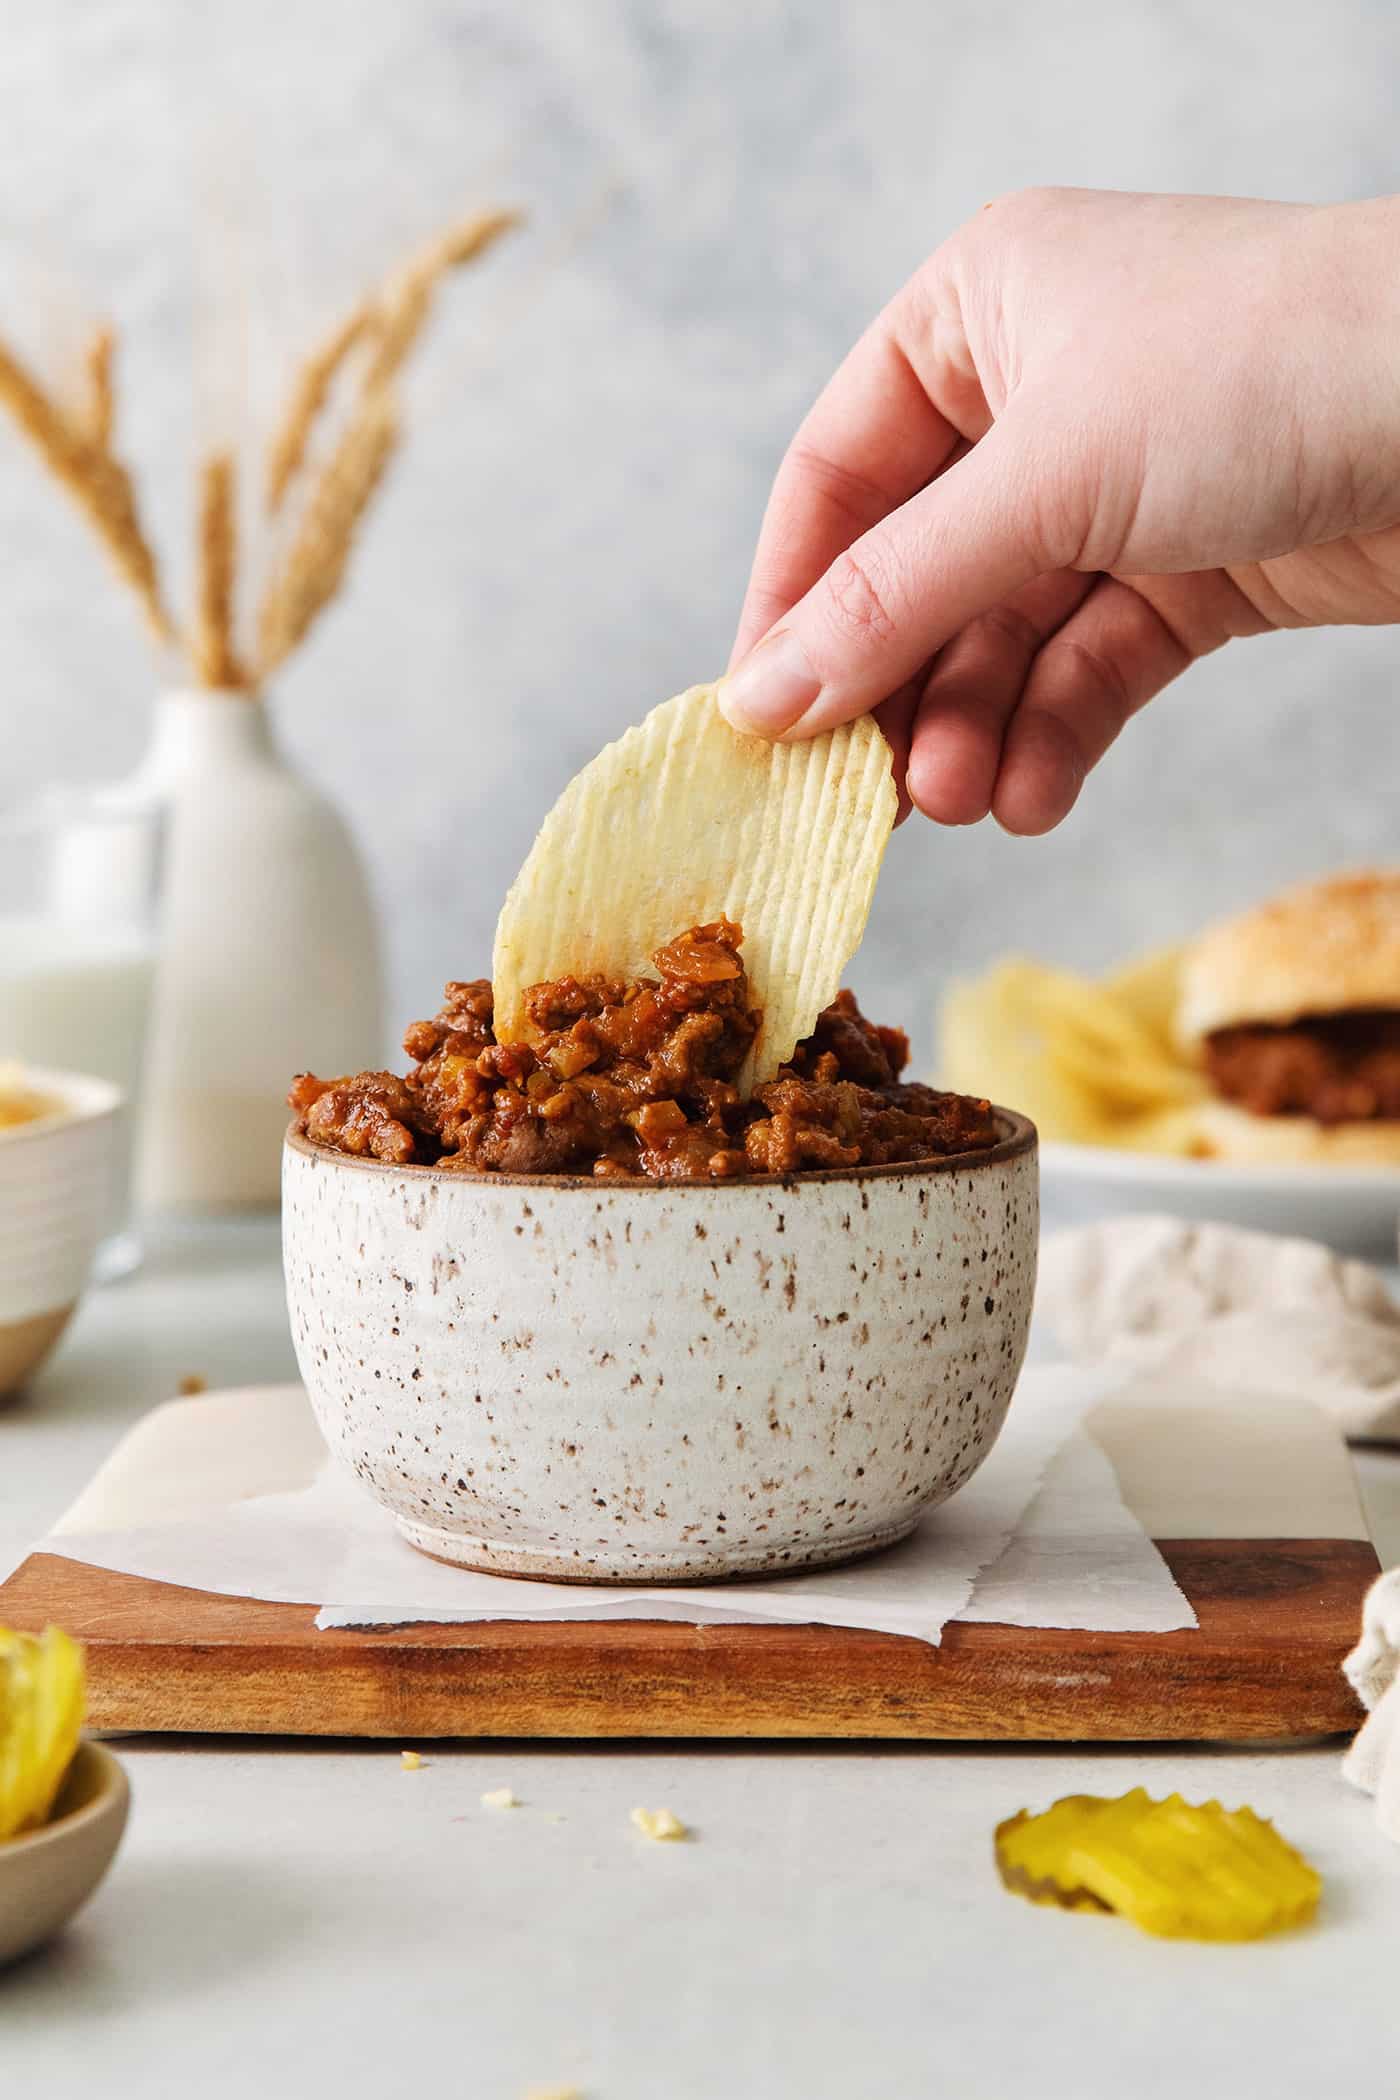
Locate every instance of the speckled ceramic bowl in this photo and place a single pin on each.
(607, 1382)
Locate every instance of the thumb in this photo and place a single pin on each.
(958, 548)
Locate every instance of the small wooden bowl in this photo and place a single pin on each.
(49, 1874)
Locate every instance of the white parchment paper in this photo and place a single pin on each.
(1040, 1535)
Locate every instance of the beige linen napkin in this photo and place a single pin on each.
(1283, 1320)
(1254, 1313)
(1373, 1670)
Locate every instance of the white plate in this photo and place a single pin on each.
(1354, 1210)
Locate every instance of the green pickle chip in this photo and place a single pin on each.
(1182, 1872)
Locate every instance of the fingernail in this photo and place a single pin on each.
(772, 687)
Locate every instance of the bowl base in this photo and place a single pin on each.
(25, 1343)
(721, 1562)
(47, 1874)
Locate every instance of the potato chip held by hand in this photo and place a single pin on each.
(1175, 1870)
(683, 821)
(42, 1701)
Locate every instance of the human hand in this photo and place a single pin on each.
(1092, 439)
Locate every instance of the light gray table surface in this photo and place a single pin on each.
(285, 1914)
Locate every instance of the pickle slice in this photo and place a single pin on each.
(42, 1700)
(1176, 1870)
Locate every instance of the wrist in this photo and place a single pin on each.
(1351, 285)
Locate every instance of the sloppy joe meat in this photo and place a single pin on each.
(1337, 1068)
(640, 1078)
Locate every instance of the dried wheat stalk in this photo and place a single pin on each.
(76, 446)
(390, 323)
(407, 302)
(391, 320)
(100, 411)
(216, 659)
(287, 451)
(403, 309)
(320, 548)
(97, 482)
(472, 236)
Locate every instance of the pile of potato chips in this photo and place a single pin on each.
(1178, 1871)
(1090, 1060)
(42, 1700)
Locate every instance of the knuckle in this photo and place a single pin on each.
(1004, 623)
(861, 599)
(853, 498)
(1036, 201)
(1102, 678)
(1058, 741)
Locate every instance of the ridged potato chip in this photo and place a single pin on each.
(1178, 1871)
(1149, 987)
(1091, 1061)
(989, 1027)
(683, 821)
(42, 1700)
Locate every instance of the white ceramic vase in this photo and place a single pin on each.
(269, 953)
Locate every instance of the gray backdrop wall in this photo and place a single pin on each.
(723, 192)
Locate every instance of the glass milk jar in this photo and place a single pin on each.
(79, 884)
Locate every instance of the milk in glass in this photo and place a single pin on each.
(77, 959)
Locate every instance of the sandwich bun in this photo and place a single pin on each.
(1324, 948)
(1238, 1138)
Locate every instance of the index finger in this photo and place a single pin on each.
(872, 439)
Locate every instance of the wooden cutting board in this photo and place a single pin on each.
(1256, 1515)
(1276, 1617)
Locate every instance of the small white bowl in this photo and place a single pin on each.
(49, 1874)
(55, 1195)
(606, 1381)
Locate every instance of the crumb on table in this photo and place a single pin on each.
(500, 1797)
(659, 1823)
(410, 1760)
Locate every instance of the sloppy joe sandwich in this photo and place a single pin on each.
(1293, 1012)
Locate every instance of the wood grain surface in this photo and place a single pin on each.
(1276, 1618)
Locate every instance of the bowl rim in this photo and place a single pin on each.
(81, 1097)
(1020, 1138)
(114, 1788)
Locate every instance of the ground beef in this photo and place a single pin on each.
(373, 1115)
(641, 1078)
(1337, 1068)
